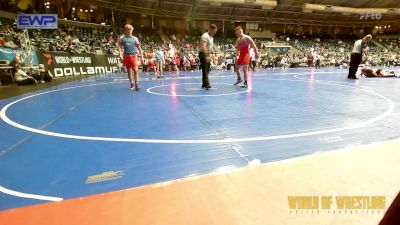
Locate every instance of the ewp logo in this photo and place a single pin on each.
(37, 21)
(373, 16)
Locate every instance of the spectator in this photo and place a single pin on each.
(9, 43)
(21, 78)
(44, 76)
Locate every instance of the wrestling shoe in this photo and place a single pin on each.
(238, 81)
(137, 87)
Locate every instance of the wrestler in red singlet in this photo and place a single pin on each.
(244, 52)
(243, 45)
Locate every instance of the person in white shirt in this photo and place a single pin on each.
(359, 49)
(206, 48)
(21, 78)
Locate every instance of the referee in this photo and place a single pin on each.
(206, 48)
(360, 47)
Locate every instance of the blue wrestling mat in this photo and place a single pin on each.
(95, 135)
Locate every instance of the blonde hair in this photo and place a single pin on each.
(128, 26)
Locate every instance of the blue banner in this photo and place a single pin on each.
(37, 21)
(9, 54)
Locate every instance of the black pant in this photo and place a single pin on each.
(45, 76)
(253, 64)
(354, 63)
(205, 68)
(318, 63)
(25, 82)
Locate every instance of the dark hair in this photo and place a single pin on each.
(213, 27)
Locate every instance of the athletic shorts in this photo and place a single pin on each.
(130, 61)
(244, 59)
